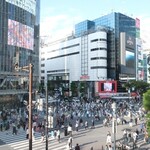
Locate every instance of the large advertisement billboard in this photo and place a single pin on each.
(107, 86)
(28, 5)
(130, 59)
(137, 23)
(130, 42)
(20, 35)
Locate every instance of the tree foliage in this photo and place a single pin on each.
(74, 88)
(146, 100)
(146, 105)
(140, 86)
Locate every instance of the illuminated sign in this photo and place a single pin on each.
(84, 77)
(20, 35)
(28, 5)
(137, 23)
(130, 42)
(130, 59)
(107, 86)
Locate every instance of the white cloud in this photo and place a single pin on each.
(56, 27)
(145, 30)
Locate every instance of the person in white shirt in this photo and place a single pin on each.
(69, 130)
(108, 140)
(58, 135)
(70, 142)
(33, 134)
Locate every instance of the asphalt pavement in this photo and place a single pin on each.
(3, 146)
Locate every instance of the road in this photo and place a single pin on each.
(95, 138)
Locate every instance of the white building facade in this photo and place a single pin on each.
(76, 59)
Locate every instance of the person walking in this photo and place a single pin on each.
(93, 124)
(70, 142)
(77, 147)
(108, 140)
(33, 134)
(77, 126)
(134, 139)
(14, 129)
(69, 130)
(58, 135)
(86, 124)
(42, 137)
(27, 133)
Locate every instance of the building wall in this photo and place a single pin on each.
(146, 65)
(19, 40)
(119, 23)
(69, 58)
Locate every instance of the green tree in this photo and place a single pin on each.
(83, 88)
(74, 88)
(146, 105)
(140, 86)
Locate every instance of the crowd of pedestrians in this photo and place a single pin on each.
(72, 116)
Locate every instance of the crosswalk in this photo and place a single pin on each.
(19, 142)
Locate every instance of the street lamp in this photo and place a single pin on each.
(114, 125)
(29, 69)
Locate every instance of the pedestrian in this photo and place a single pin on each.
(14, 129)
(1, 126)
(141, 127)
(77, 147)
(81, 122)
(42, 137)
(86, 124)
(129, 137)
(108, 140)
(109, 147)
(93, 124)
(125, 138)
(33, 134)
(76, 126)
(146, 137)
(27, 133)
(34, 125)
(106, 147)
(58, 135)
(136, 120)
(70, 130)
(70, 142)
(55, 134)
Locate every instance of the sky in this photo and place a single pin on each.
(58, 17)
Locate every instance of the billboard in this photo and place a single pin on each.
(107, 86)
(137, 24)
(130, 42)
(20, 35)
(130, 59)
(28, 5)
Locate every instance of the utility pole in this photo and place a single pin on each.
(46, 132)
(29, 69)
(30, 105)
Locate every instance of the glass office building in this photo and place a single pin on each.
(19, 43)
(117, 23)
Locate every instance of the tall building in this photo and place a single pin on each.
(146, 65)
(19, 43)
(89, 56)
(120, 23)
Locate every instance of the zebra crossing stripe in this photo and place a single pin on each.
(19, 141)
